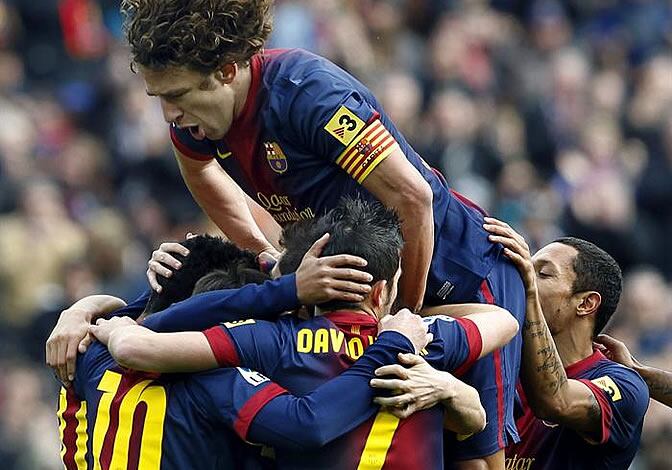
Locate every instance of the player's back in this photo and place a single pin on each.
(306, 354)
(119, 419)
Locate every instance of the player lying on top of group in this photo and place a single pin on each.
(268, 137)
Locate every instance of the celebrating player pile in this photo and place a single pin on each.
(265, 138)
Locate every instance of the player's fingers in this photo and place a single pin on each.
(348, 286)
(60, 362)
(395, 401)
(318, 246)
(388, 384)
(345, 260)
(165, 258)
(607, 340)
(159, 269)
(410, 359)
(392, 369)
(151, 277)
(402, 413)
(85, 343)
(505, 231)
(493, 221)
(49, 352)
(71, 358)
(509, 243)
(173, 247)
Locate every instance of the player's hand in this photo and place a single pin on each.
(71, 331)
(104, 328)
(617, 351)
(415, 385)
(162, 262)
(408, 324)
(319, 280)
(515, 248)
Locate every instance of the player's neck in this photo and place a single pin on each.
(364, 310)
(573, 344)
(241, 87)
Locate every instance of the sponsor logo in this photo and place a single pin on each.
(607, 384)
(275, 157)
(282, 209)
(519, 463)
(344, 125)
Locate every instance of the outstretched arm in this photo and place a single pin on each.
(659, 381)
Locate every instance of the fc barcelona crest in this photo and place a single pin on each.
(275, 157)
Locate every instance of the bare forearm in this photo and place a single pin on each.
(265, 221)
(464, 412)
(542, 373)
(418, 231)
(95, 306)
(138, 348)
(659, 382)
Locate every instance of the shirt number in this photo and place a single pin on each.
(378, 441)
(118, 436)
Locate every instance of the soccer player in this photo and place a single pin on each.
(317, 280)
(301, 355)
(267, 137)
(658, 380)
(579, 409)
(116, 418)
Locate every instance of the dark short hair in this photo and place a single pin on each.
(232, 278)
(202, 35)
(597, 271)
(206, 253)
(357, 227)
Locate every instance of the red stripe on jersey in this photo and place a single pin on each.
(222, 347)
(468, 202)
(497, 356)
(250, 409)
(605, 407)
(475, 342)
(135, 441)
(70, 430)
(186, 151)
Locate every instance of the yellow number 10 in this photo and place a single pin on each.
(154, 397)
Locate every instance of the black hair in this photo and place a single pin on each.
(206, 253)
(232, 278)
(596, 270)
(357, 227)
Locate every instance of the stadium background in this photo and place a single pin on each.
(555, 116)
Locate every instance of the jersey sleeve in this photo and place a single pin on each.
(623, 398)
(135, 308)
(247, 343)
(331, 410)
(338, 123)
(184, 142)
(457, 343)
(205, 310)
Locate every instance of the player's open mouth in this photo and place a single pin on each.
(197, 132)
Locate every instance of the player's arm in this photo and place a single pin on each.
(659, 381)
(423, 387)
(551, 395)
(223, 201)
(341, 404)
(71, 330)
(397, 184)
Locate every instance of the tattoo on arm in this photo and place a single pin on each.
(659, 383)
(551, 366)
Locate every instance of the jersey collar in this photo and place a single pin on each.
(249, 111)
(584, 364)
(350, 317)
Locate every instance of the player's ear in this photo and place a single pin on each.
(378, 294)
(226, 73)
(589, 302)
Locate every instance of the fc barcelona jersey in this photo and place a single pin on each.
(309, 134)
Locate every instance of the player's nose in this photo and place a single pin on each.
(171, 112)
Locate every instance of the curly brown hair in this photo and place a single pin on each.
(199, 34)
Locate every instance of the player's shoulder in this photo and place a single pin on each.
(297, 65)
(619, 382)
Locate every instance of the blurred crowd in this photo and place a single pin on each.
(554, 116)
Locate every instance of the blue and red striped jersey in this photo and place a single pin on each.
(623, 398)
(309, 134)
(301, 355)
